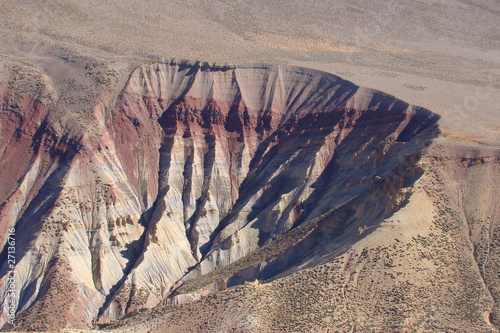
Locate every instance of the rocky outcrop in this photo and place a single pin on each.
(419, 268)
(197, 167)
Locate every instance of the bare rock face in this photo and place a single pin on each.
(198, 168)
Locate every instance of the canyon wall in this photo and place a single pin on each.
(198, 177)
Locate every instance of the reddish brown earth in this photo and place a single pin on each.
(258, 171)
(202, 178)
(188, 197)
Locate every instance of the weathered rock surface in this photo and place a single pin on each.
(202, 177)
(419, 269)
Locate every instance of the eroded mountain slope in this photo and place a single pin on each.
(417, 270)
(196, 167)
(241, 172)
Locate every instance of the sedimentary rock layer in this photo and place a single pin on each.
(195, 168)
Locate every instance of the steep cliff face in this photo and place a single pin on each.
(427, 264)
(197, 167)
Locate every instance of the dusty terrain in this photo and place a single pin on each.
(442, 55)
(235, 196)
